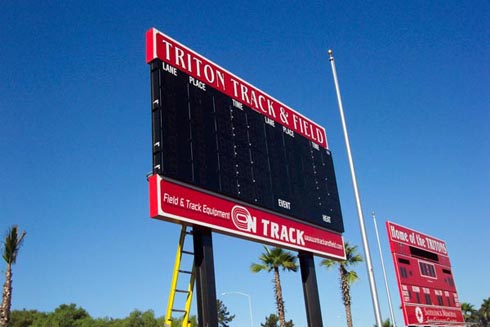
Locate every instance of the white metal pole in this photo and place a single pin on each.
(249, 304)
(372, 282)
(384, 270)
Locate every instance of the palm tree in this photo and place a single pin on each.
(272, 260)
(385, 323)
(346, 277)
(468, 311)
(11, 245)
(224, 316)
(484, 312)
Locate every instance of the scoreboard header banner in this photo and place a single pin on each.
(161, 46)
(400, 234)
(179, 203)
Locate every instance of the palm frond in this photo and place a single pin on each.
(328, 263)
(12, 244)
(255, 267)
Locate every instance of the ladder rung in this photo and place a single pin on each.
(185, 272)
(179, 310)
(181, 291)
(188, 252)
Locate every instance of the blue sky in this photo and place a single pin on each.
(75, 140)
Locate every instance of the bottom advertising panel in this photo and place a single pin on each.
(420, 315)
(182, 204)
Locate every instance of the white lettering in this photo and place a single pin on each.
(235, 83)
(198, 66)
(299, 237)
(288, 131)
(171, 199)
(209, 74)
(269, 121)
(265, 225)
(244, 90)
(396, 234)
(319, 135)
(179, 57)
(254, 99)
(274, 230)
(197, 83)
(270, 104)
(172, 70)
(167, 49)
(261, 103)
(237, 104)
(221, 78)
(193, 206)
(291, 235)
(284, 234)
(284, 204)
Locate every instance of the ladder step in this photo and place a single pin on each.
(181, 291)
(179, 310)
(188, 252)
(185, 272)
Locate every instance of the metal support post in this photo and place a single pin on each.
(205, 280)
(310, 289)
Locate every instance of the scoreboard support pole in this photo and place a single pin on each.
(310, 289)
(205, 280)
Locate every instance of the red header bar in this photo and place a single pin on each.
(161, 46)
(411, 237)
(173, 202)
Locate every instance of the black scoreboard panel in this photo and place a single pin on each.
(204, 138)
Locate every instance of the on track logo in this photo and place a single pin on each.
(243, 220)
(419, 315)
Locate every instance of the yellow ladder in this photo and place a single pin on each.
(175, 278)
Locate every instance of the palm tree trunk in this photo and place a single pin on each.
(345, 287)
(6, 298)
(348, 315)
(279, 300)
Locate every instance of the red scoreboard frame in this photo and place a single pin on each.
(425, 279)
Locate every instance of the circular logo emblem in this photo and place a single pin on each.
(242, 219)
(419, 315)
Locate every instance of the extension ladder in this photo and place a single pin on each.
(175, 278)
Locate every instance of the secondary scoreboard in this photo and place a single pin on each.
(425, 278)
(217, 134)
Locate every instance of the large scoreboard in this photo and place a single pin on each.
(425, 278)
(221, 137)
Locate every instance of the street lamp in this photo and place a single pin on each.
(249, 304)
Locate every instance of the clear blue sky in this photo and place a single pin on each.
(75, 140)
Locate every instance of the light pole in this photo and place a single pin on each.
(384, 270)
(249, 304)
(367, 253)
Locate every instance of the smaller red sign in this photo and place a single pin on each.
(425, 278)
(174, 202)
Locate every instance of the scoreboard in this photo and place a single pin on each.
(425, 278)
(205, 138)
(228, 156)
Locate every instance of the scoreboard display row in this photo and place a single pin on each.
(204, 138)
